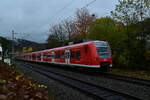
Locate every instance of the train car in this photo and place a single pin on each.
(92, 54)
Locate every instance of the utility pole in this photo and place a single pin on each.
(12, 45)
(12, 42)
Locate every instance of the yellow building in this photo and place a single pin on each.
(27, 49)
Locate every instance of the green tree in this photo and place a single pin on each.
(6, 45)
(53, 41)
(145, 29)
(130, 13)
(109, 30)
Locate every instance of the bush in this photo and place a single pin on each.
(147, 57)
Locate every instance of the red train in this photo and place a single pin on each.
(91, 54)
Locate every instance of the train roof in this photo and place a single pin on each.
(79, 44)
(69, 46)
(74, 45)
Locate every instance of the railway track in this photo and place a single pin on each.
(96, 91)
(136, 81)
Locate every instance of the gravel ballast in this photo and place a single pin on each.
(57, 90)
(129, 88)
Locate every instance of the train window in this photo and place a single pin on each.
(66, 54)
(44, 56)
(72, 55)
(33, 56)
(38, 56)
(57, 55)
(53, 55)
(100, 44)
(86, 48)
(103, 49)
(103, 52)
(47, 56)
(29, 57)
(78, 56)
(62, 55)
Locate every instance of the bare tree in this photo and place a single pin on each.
(58, 32)
(57, 36)
(71, 30)
(83, 21)
(68, 29)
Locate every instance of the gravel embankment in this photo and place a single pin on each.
(129, 88)
(57, 90)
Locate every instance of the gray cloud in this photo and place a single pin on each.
(36, 16)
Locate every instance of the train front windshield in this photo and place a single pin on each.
(103, 49)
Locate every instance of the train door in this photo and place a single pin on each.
(41, 56)
(36, 57)
(67, 56)
(53, 56)
(86, 54)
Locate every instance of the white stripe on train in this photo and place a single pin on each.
(80, 65)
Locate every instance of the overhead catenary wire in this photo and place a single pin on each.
(59, 11)
(89, 4)
(64, 7)
(68, 4)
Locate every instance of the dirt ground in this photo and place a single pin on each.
(131, 73)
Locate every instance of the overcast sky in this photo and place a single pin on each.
(32, 18)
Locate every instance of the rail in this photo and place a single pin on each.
(89, 88)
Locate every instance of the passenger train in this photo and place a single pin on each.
(91, 54)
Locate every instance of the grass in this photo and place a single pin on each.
(132, 73)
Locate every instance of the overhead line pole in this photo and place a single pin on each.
(12, 46)
(12, 42)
